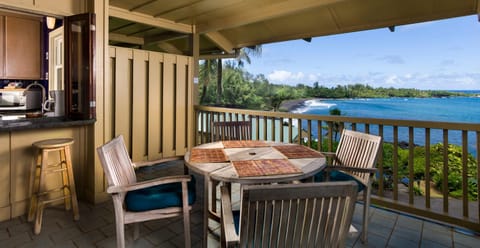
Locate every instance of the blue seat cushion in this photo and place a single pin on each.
(336, 175)
(160, 196)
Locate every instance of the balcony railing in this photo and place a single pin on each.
(398, 185)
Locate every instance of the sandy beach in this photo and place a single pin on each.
(290, 105)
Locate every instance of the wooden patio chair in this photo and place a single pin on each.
(231, 130)
(227, 130)
(136, 202)
(355, 159)
(289, 215)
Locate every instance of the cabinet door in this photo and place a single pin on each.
(22, 48)
(2, 46)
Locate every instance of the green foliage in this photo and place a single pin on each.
(455, 168)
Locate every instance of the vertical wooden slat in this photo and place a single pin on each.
(155, 95)
(381, 173)
(427, 168)
(465, 173)
(478, 172)
(445, 171)
(265, 120)
(395, 162)
(181, 107)
(168, 115)
(123, 94)
(309, 131)
(282, 132)
(109, 99)
(290, 130)
(139, 106)
(411, 147)
(272, 128)
(319, 135)
(299, 135)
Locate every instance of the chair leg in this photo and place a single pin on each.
(366, 207)
(119, 223)
(186, 215)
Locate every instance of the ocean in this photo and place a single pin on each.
(448, 109)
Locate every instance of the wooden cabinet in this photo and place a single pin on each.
(21, 54)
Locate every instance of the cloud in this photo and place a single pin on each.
(425, 81)
(392, 59)
(285, 77)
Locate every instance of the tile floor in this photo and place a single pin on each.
(96, 227)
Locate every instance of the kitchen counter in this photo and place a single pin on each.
(39, 123)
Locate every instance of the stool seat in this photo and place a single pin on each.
(53, 143)
(41, 195)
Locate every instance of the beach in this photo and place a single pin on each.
(291, 105)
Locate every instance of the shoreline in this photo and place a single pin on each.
(291, 105)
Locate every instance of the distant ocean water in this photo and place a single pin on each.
(449, 109)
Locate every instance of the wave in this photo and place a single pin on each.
(313, 104)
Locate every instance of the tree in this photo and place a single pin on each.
(207, 74)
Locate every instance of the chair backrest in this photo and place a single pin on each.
(297, 215)
(231, 130)
(116, 162)
(359, 150)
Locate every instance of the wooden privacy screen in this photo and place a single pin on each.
(148, 100)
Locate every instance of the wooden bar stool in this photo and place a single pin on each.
(40, 193)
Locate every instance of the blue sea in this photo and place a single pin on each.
(448, 109)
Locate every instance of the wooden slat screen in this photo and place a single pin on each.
(151, 104)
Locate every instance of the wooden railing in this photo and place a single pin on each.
(405, 194)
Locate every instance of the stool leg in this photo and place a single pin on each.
(68, 159)
(65, 181)
(35, 185)
(40, 204)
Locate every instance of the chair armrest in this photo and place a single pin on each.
(329, 154)
(229, 235)
(148, 183)
(140, 164)
(354, 169)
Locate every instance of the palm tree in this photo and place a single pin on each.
(210, 67)
(244, 55)
(207, 72)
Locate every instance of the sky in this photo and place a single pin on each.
(438, 55)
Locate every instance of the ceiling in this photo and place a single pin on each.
(227, 25)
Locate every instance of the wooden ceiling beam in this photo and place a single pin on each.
(222, 42)
(149, 20)
(218, 56)
(262, 13)
(169, 48)
(164, 37)
(126, 39)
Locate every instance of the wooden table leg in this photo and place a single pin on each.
(206, 212)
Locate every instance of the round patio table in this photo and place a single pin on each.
(251, 162)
